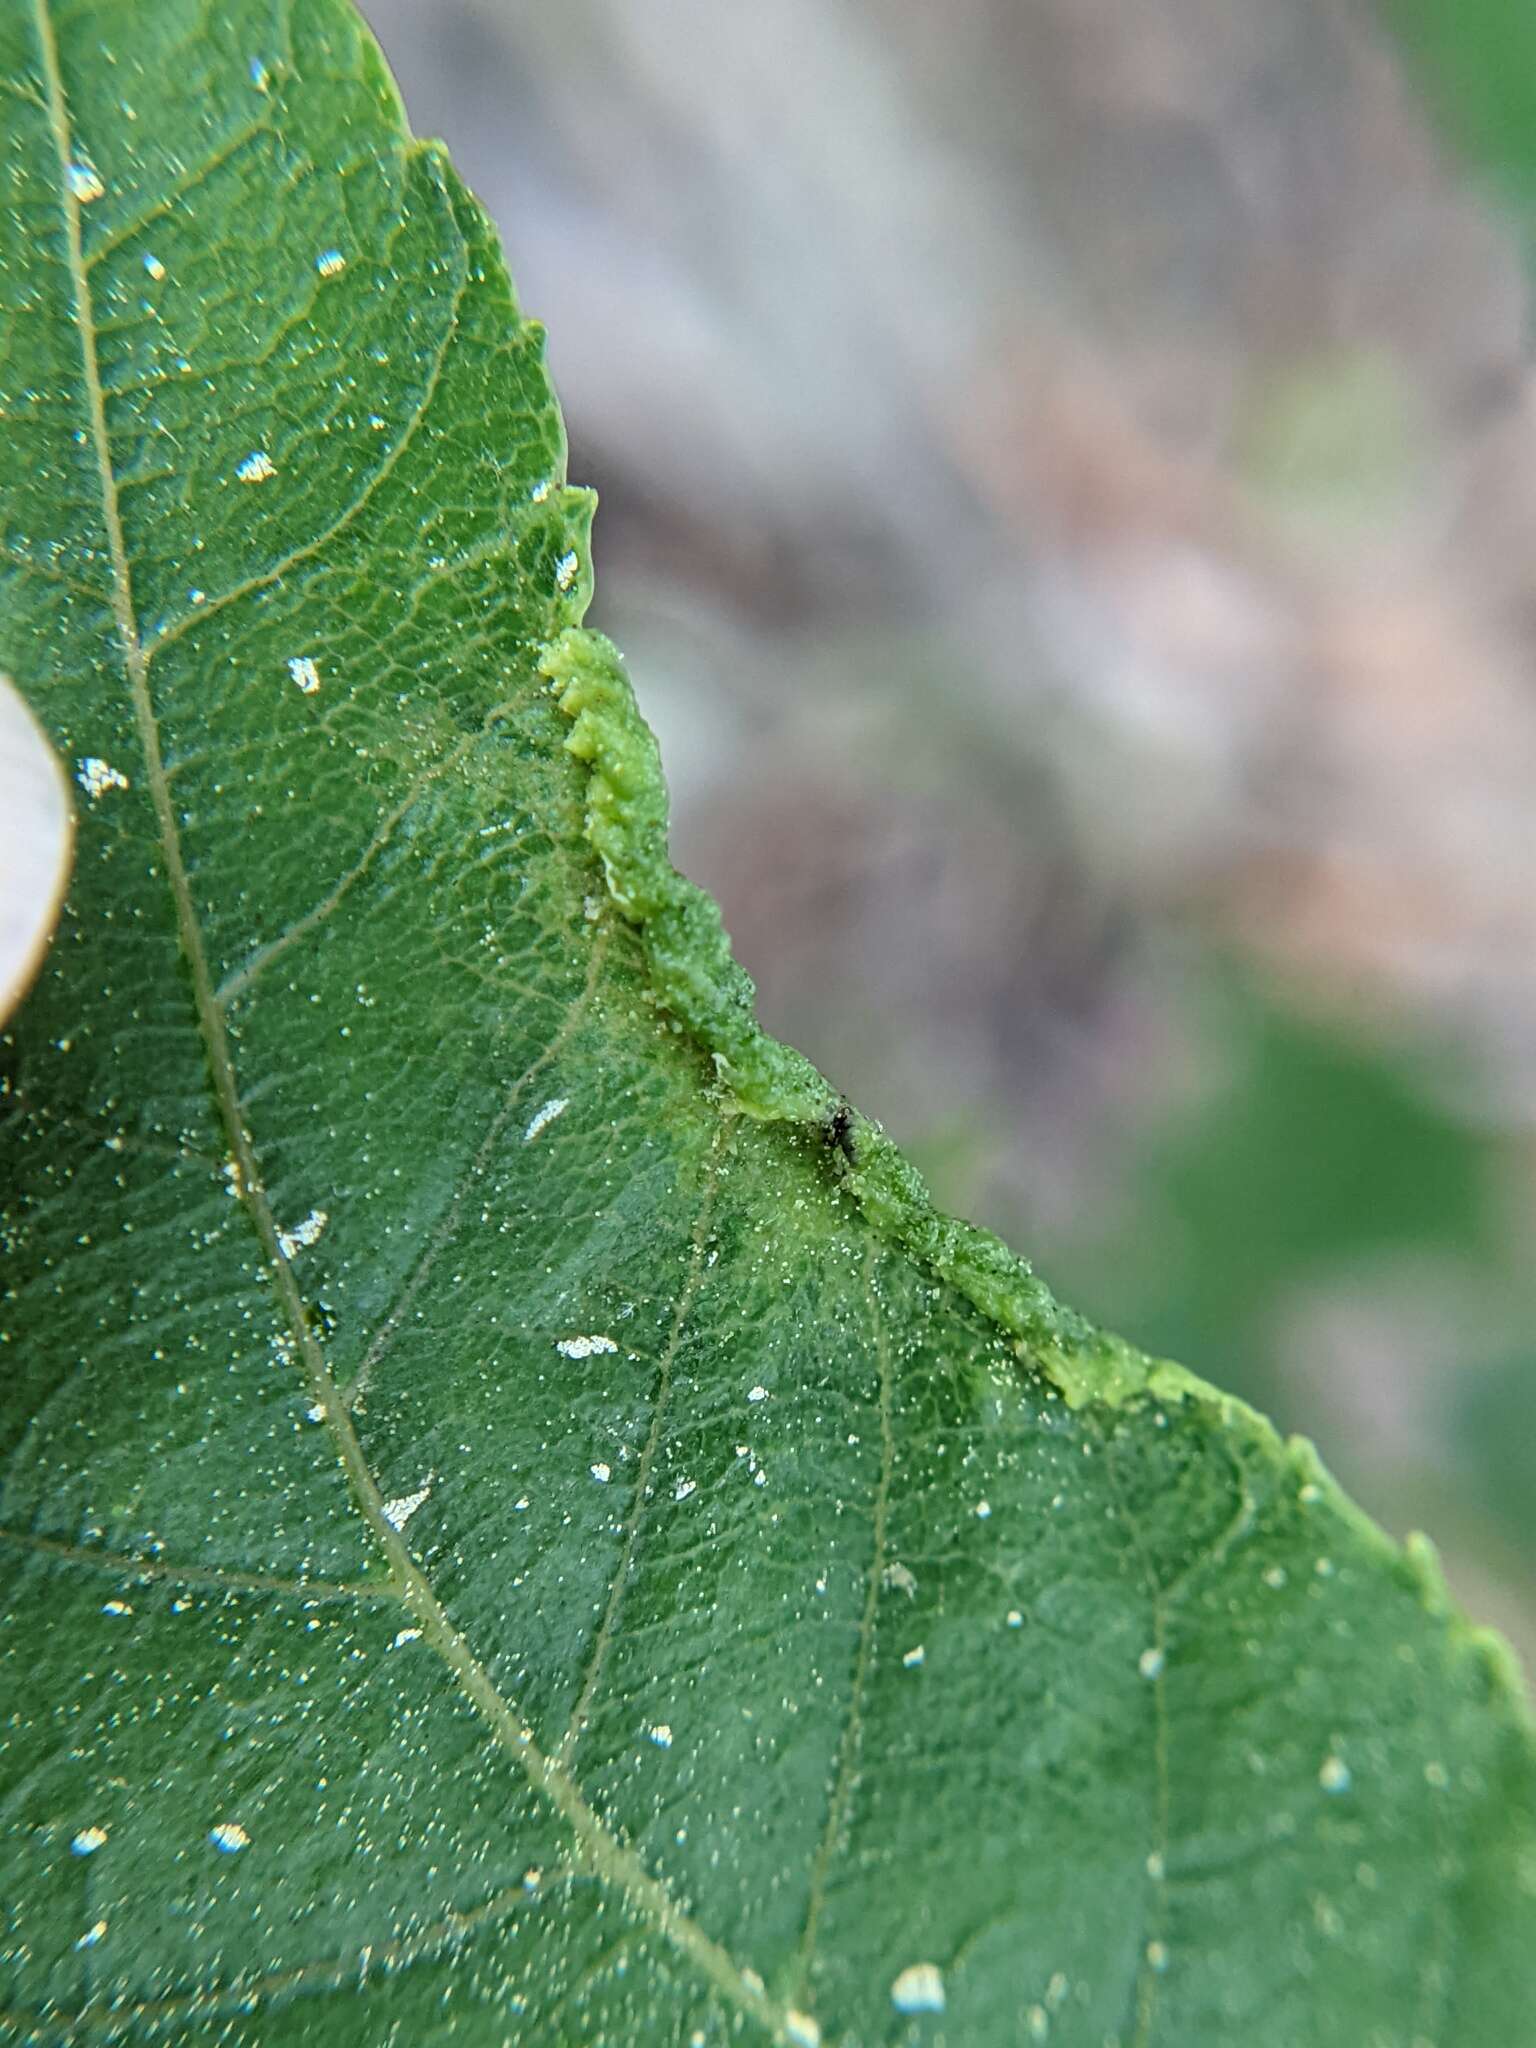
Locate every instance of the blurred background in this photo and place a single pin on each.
(1068, 480)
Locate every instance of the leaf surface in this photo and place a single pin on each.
(518, 1521)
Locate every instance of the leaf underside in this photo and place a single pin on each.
(517, 1522)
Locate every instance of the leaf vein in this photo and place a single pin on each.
(169, 633)
(123, 1564)
(607, 1629)
(611, 1859)
(118, 237)
(240, 978)
(27, 565)
(851, 1739)
(416, 1279)
(1151, 1957)
(216, 2000)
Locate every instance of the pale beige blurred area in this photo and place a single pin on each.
(36, 833)
(1068, 494)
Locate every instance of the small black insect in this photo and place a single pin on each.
(837, 1130)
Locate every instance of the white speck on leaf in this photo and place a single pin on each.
(88, 1841)
(154, 266)
(601, 1473)
(757, 1393)
(900, 1580)
(405, 1635)
(228, 1837)
(302, 1234)
(92, 1935)
(919, 1988)
(801, 2030)
(543, 1118)
(584, 1347)
(661, 1735)
(330, 262)
(912, 1658)
(1334, 1775)
(399, 1511)
(256, 468)
(304, 672)
(684, 1487)
(566, 568)
(1151, 1663)
(96, 776)
(117, 1607)
(84, 183)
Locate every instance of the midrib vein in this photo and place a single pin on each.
(610, 1859)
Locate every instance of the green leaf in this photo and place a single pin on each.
(519, 1522)
(1477, 64)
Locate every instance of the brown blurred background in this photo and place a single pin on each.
(1068, 481)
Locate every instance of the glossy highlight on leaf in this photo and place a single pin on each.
(518, 1519)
